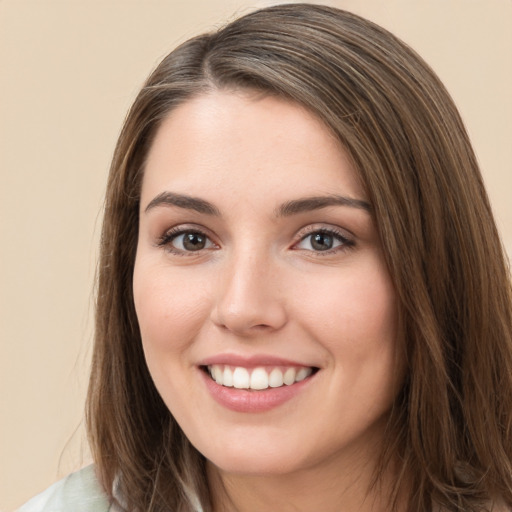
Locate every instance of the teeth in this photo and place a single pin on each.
(259, 378)
(227, 377)
(241, 378)
(217, 374)
(289, 376)
(302, 374)
(275, 379)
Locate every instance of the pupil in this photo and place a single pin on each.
(322, 242)
(194, 241)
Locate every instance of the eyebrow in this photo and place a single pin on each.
(287, 209)
(318, 202)
(183, 201)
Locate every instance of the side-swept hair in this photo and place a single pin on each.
(451, 427)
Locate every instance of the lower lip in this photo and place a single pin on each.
(244, 400)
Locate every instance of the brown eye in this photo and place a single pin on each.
(322, 241)
(188, 241)
(194, 241)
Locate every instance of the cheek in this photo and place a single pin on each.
(170, 308)
(356, 312)
(355, 319)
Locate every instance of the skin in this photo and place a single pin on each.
(260, 286)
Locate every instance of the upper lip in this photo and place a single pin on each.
(251, 361)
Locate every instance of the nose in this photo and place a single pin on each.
(250, 300)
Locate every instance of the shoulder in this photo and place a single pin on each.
(78, 492)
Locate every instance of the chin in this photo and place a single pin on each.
(262, 464)
(258, 456)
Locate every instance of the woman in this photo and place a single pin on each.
(303, 302)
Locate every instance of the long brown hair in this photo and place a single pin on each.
(451, 427)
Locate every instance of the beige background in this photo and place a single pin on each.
(68, 72)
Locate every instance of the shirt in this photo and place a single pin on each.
(78, 492)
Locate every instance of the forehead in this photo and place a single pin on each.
(239, 142)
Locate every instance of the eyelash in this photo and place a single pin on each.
(171, 235)
(345, 242)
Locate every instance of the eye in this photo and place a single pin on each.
(191, 241)
(324, 240)
(181, 241)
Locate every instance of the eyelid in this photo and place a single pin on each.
(324, 227)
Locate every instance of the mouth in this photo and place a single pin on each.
(258, 378)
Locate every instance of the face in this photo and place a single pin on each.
(267, 315)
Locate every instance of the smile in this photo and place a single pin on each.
(258, 378)
(257, 383)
